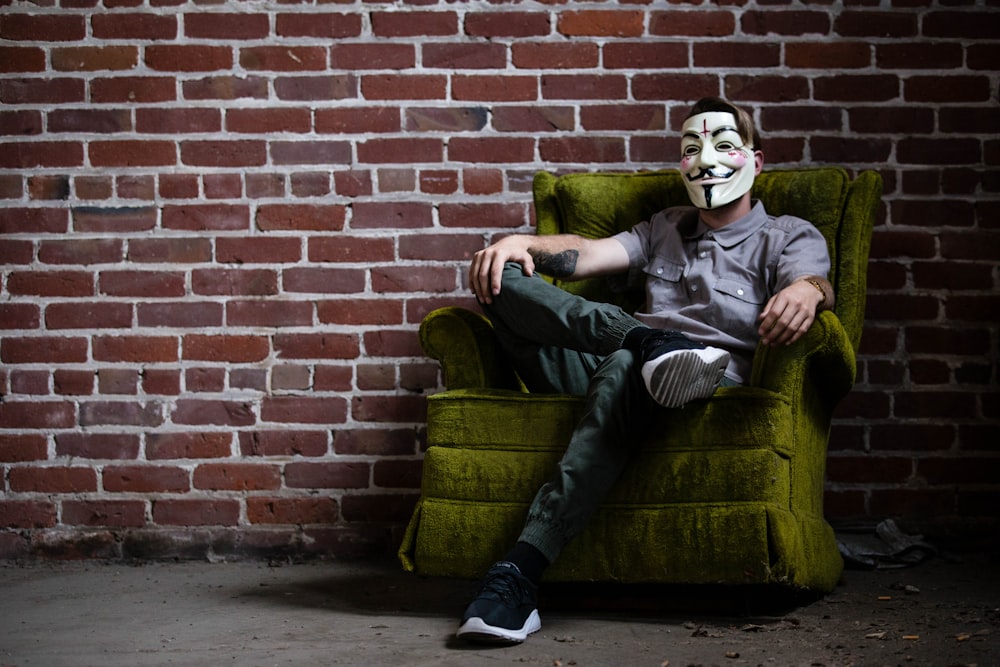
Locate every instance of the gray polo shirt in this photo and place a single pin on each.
(713, 284)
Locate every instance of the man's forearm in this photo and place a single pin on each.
(573, 257)
(556, 255)
(561, 264)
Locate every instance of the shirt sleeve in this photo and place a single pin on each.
(636, 242)
(805, 254)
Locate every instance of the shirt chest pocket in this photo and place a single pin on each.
(664, 269)
(663, 285)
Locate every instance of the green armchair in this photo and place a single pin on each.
(724, 491)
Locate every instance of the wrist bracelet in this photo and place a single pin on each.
(822, 292)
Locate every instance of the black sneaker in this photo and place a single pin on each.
(676, 369)
(505, 609)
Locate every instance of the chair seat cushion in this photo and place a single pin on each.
(651, 478)
(735, 418)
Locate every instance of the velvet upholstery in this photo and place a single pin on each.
(726, 490)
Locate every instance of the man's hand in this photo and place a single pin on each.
(789, 313)
(487, 265)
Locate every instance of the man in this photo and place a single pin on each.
(720, 277)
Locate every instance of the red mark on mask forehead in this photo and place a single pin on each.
(717, 131)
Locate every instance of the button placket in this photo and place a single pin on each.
(702, 252)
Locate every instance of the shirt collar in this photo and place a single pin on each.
(735, 232)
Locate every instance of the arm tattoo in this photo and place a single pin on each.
(559, 265)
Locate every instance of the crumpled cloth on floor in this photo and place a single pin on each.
(889, 547)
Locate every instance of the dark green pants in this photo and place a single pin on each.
(562, 343)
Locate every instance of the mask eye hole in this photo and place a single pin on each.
(691, 150)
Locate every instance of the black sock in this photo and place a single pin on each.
(634, 338)
(529, 561)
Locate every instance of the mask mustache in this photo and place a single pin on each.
(709, 173)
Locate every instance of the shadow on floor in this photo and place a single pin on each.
(385, 589)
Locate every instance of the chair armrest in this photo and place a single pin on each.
(467, 348)
(824, 356)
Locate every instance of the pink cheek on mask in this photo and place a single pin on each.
(738, 158)
(685, 162)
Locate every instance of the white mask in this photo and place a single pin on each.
(716, 165)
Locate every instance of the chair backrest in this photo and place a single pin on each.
(596, 205)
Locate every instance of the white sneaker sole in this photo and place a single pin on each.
(476, 629)
(678, 377)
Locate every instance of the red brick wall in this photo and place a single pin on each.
(221, 223)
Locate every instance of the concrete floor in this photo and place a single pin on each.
(79, 614)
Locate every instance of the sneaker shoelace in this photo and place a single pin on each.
(506, 586)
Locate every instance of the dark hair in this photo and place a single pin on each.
(744, 121)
